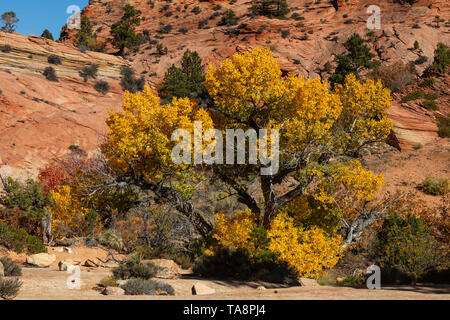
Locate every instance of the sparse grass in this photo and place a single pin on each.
(11, 268)
(146, 287)
(9, 288)
(434, 187)
(108, 282)
(444, 126)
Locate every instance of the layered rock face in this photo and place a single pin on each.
(312, 35)
(40, 119)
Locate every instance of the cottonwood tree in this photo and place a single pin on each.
(321, 134)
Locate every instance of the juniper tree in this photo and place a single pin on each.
(47, 34)
(358, 57)
(270, 8)
(9, 19)
(123, 31)
(85, 36)
(188, 80)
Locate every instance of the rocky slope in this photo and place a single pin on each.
(312, 35)
(39, 119)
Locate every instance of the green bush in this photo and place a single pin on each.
(133, 269)
(443, 126)
(11, 268)
(50, 74)
(102, 87)
(129, 82)
(405, 247)
(229, 18)
(47, 34)
(19, 240)
(111, 239)
(108, 282)
(430, 105)
(435, 187)
(146, 287)
(9, 288)
(54, 59)
(428, 82)
(25, 204)
(238, 265)
(418, 94)
(441, 58)
(89, 71)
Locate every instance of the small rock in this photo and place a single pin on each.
(2, 270)
(42, 260)
(304, 282)
(340, 279)
(261, 288)
(90, 264)
(65, 242)
(201, 289)
(91, 243)
(62, 266)
(121, 282)
(113, 291)
(168, 269)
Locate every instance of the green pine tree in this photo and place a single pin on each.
(85, 36)
(47, 34)
(358, 57)
(270, 8)
(186, 81)
(124, 33)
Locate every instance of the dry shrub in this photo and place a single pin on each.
(395, 77)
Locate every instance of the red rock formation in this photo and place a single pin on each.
(40, 119)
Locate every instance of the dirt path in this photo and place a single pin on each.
(44, 284)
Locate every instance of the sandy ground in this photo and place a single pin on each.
(50, 284)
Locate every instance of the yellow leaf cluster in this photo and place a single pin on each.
(141, 133)
(310, 252)
(364, 110)
(68, 213)
(234, 233)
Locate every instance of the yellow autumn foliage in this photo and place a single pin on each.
(140, 135)
(310, 252)
(234, 233)
(68, 214)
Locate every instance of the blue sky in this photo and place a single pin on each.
(35, 16)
